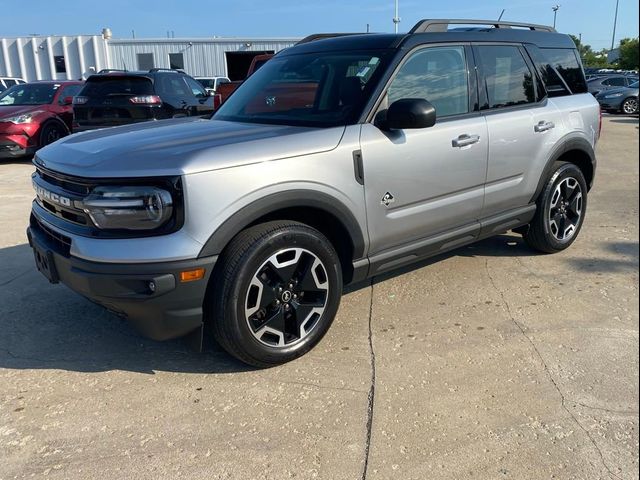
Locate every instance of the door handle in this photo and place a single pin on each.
(465, 140)
(543, 126)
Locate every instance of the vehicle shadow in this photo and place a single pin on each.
(626, 120)
(48, 326)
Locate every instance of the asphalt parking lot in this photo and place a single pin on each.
(490, 362)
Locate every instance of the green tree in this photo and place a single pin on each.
(629, 54)
(588, 56)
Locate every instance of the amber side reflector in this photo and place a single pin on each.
(192, 275)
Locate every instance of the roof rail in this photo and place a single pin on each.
(442, 25)
(322, 36)
(112, 70)
(177, 70)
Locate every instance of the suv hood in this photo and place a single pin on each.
(181, 146)
(14, 110)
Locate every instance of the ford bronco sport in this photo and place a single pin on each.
(339, 159)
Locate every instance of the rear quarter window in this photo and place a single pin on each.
(556, 65)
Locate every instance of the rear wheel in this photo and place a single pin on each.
(50, 133)
(630, 105)
(560, 212)
(275, 294)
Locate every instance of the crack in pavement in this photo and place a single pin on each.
(547, 371)
(372, 389)
(7, 282)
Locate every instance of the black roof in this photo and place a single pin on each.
(544, 37)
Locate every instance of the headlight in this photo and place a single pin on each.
(19, 119)
(129, 208)
(614, 95)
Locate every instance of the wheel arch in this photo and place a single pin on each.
(576, 150)
(53, 119)
(318, 210)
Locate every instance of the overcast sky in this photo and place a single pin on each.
(287, 18)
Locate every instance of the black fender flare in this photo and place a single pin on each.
(278, 201)
(567, 145)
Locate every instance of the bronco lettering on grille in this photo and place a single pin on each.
(52, 197)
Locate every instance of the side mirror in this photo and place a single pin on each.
(67, 100)
(409, 113)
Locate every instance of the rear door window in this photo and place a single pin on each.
(172, 85)
(196, 88)
(437, 74)
(614, 82)
(506, 76)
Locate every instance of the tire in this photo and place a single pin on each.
(275, 293)
(50, 133)
(561, 208)
(629, 106)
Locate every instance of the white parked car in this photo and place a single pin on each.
(211, 83)
(6, 82)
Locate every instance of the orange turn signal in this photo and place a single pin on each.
(192, 275)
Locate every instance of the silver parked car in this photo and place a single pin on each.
(340, 159)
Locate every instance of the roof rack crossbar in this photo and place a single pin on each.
(160, 69)
(112, 70)
(442, 25)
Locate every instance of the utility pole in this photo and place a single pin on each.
(396, 18)
(615, 21)
(555, 9)
(367, 28)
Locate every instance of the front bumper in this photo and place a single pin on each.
(12, 147)
(610, 104)
(170, 309)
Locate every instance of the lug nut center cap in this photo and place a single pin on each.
(286, 296)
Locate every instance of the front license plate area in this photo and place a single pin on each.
(45, 263)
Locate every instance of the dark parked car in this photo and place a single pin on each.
(623, 99)
(608, 82)
(33, 115)
(119, 98)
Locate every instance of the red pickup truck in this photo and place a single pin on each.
(226, 89)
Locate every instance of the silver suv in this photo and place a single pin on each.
(340, 159)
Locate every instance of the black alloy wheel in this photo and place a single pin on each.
(275, 292)
(560, 210)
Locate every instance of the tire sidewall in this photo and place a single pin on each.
(291, 237)
(561, 173)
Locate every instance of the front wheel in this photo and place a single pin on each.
(561, 207)
(275, 293)
(51, 133)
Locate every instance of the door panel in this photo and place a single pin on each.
(422, 182)
(522, 129)
(435, 185)
(518, 150)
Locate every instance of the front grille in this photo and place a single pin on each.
(64, 186)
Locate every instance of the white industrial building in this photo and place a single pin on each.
(70, 57)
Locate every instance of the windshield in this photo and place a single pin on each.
(207, 82)
(29, 94)
(634, 85)
(323, 89)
